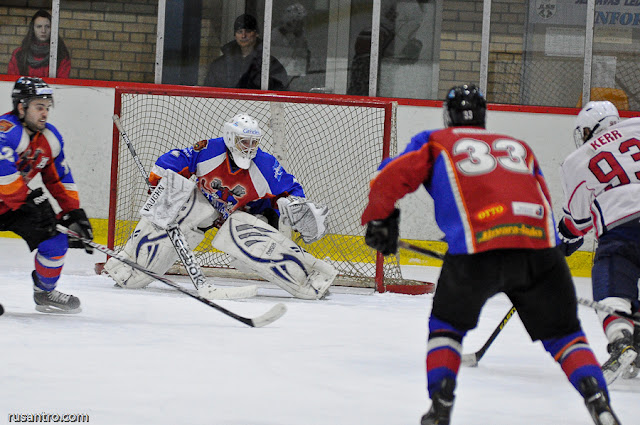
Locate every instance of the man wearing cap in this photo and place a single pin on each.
(240, 65)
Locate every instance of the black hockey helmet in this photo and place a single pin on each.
(28, 88)
(464, 105)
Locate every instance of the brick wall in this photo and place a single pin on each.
(461, 41)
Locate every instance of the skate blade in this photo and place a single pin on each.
(624, 364)
(211, 292)
(54, 310)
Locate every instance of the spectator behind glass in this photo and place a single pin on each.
(240, 65)
(32, 57)
(289, 44)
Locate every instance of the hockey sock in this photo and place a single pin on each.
(573, 354)
(444, 349)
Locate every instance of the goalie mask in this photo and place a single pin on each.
(594, 119)
(242, 136)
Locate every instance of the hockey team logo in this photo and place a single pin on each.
(200, 145)
(546, 8)
(5, 126)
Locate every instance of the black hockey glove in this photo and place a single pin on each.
(382, 235)
(39, 212)
(77, 221)
(570, 243)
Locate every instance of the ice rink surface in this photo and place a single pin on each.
(156, 356)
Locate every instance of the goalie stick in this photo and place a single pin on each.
(178, 239)
(469, 359)
(270, 316)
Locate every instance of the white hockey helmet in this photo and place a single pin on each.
(242, 135)
(594, 119)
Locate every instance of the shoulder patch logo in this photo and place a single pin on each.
(200, 145)
(6, 125)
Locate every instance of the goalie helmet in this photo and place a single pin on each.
(29, 88)
(464, 105)
(594, 119)
(242, 136)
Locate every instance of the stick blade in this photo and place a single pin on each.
(276, 312)
(469, 360)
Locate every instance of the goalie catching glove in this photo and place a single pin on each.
(77, 221)
(382, 235)
(305, 217)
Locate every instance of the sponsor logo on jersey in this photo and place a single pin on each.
(277, 170)
(200, 145)
(5, 126)
(510, 230)
(527, 209)
(491, 212)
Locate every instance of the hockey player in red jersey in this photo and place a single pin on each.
(493, 205)
(601, 182)
(31, 146)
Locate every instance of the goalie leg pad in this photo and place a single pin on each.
(278, 259)
(151, 247)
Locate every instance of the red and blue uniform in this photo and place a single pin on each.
(22, 158)
(225, 186)
(464, 169)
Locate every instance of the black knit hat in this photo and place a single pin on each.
(245, 22)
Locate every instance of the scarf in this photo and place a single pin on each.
(38, 50)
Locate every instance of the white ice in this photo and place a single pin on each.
(156, 356)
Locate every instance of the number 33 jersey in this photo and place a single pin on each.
(601, 180)
(488, 189)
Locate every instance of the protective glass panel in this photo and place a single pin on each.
(537, 60)
(112, 41)
(616, 47)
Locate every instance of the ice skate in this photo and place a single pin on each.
(597, 402)
(623, 354)
(442, 403)
(634, 369)
(54, 301)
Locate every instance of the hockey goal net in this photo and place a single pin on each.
(333, 146)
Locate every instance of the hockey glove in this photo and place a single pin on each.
(382, 235)
(305, 217)
(39, 212)
(77, 221)
(569, 242)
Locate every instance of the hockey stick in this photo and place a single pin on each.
(597, 305)
(470, 359)
(420, 250)
(270, 316)
(179, 241)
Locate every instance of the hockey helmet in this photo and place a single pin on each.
(594, 119)
(242, 135)
(29, 88)
(464, 105)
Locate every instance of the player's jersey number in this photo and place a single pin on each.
(481, 158)
(607, 169)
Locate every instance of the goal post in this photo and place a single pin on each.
(333, 145)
